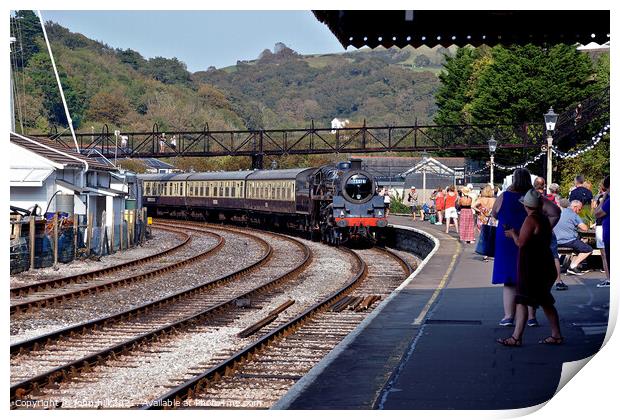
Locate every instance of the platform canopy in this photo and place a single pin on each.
(400, 28)
(431, 166)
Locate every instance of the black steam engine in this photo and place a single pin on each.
(334, 203)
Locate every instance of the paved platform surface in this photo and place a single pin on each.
(449, 358)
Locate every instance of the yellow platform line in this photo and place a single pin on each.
(442, 284)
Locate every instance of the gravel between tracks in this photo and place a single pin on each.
(226, 260)
(267, 377)
(140, 376)
(160, 241)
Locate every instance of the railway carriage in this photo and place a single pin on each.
(335, 203)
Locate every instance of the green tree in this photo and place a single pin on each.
(453, 93)
(132, 58)
(168, 71)
(593, 164)
(26, 29)
(108, 106)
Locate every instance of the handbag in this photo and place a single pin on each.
(486, 240)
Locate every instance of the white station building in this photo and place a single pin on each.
(57, 178)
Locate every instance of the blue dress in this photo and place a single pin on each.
(511, 213)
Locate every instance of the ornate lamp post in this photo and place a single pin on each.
(492, 148)
(550, 119)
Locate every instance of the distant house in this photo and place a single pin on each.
(338, 123)
(56, 178)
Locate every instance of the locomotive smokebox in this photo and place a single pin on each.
(356, 164)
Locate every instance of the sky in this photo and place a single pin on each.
(201, 38)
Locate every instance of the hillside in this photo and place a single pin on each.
(280, 89)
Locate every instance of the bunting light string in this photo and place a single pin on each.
(523, 165)
(477, 171)
(593, 142)
(561, 155)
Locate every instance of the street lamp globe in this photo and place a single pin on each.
(492, 145)
(550, 119)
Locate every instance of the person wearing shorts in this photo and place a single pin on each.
(450, 213)
(412, 201)
(440, 203)
(567, 235)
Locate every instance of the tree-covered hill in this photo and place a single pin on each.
(280, 89)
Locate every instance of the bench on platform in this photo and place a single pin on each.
(567, 253)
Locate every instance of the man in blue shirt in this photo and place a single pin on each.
(580, 192)
(567, 232)
(603, 212)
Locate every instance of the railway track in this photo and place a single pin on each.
(58, 291)
(128, 330)
(25, 287)
(258, 375)
(160, 347)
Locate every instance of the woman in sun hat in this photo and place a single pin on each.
(536, 271)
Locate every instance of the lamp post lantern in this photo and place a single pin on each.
(492, 148)
(551, 118)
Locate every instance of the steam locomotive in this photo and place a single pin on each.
(335, 203)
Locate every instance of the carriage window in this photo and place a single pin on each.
(233, 193)
(226, 192)
(180, 188)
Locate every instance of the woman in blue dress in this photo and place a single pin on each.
(510, 213)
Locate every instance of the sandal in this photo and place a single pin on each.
(509, 342)
(554, 341)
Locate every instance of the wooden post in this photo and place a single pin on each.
(128, 233)
(76, 220)
(120, 234)
(102, 233)
(89, 231)
(112, 234)
(134, 214)
(55, 221)
(31, 233)
(144, 220)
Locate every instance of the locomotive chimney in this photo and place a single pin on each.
(356, 164)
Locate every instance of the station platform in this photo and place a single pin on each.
(432, 346)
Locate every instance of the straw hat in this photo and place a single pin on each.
(532, 199)
(465, 190)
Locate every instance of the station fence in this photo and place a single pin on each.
(59, 238)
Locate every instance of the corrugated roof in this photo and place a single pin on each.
(409, 160)
(55, 152)
(400, 28)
